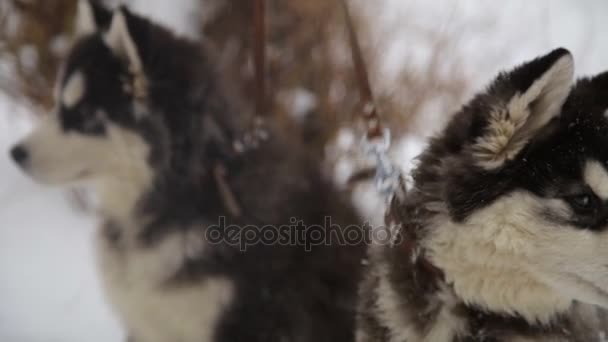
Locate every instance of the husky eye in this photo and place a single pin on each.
(93, 126)
(82, 121)
(582, 202)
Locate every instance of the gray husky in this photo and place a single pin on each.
(145, 118)
(504, 235)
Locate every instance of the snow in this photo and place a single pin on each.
(28, 56)
(300, 102)
(181, 15)
(495, 36)
(48, 285)
(485, 38)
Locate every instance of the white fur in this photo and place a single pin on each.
(511, 126)
(74, 90)
(116, 162)
(485, 260)
(596, 177)
(119, 192)
(495, 147)
(152, 310)
(507, 258)
(85, 19)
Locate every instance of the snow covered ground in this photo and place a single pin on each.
(48, 286)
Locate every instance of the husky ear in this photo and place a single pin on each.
(121, 42)
(91, 16)
(536, 92)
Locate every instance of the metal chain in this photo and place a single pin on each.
(388, 179)
(377, 141)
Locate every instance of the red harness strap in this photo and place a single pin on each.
(368, 106)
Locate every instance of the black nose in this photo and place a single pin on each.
(19, 154)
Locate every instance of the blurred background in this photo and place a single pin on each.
(425, 59)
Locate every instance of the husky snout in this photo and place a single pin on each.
(20, 155)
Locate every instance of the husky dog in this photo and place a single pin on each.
(144, 116)
(504, 235)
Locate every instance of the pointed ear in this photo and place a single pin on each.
(121, 42)
(528, 97)
(119, 39)
(91, 17)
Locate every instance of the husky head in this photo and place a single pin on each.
(518, 182)
(131, 98)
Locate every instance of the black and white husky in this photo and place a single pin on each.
(144, 117)
(504, 235)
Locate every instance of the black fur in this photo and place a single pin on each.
(449, 183)
(192, 120)
(102, 15)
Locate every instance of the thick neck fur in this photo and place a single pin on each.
(414, 304)
(118, 199)
(484, 261)
(482, 293)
